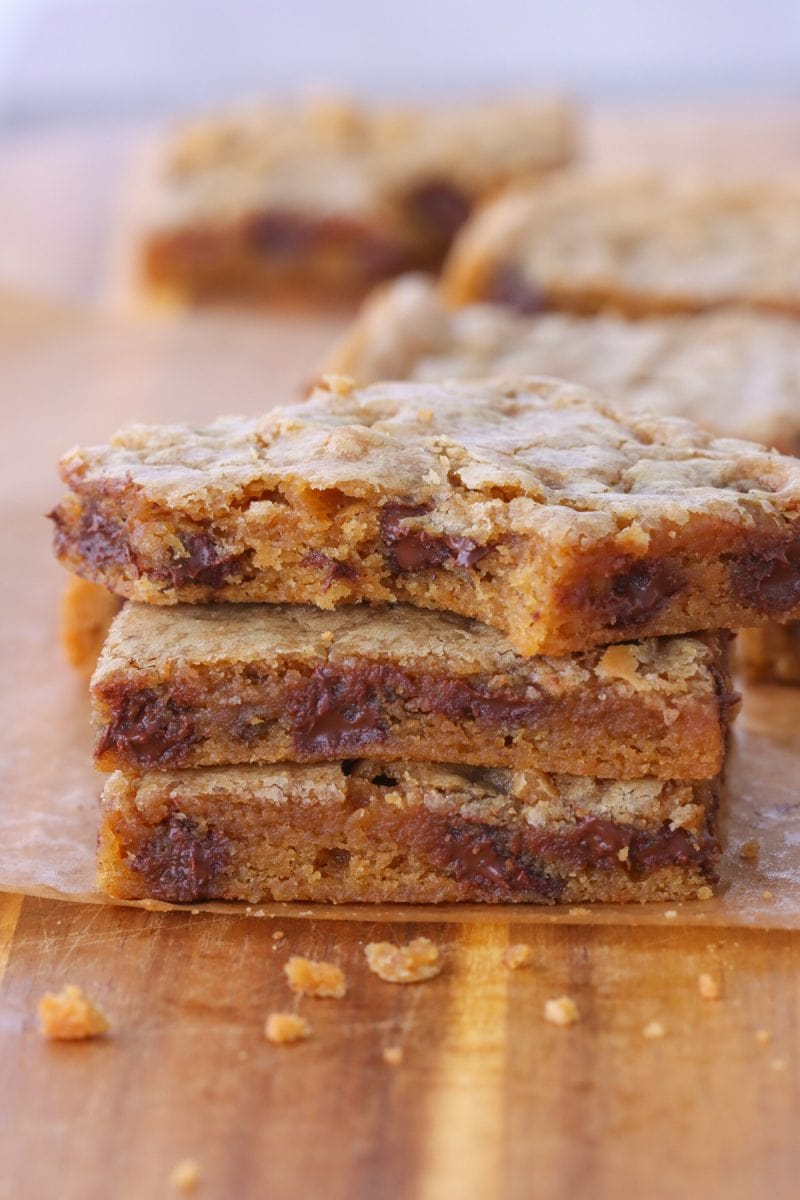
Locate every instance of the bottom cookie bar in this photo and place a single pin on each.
(411, 833)
(771, 654)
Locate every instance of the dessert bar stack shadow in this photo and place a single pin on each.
(423, 642)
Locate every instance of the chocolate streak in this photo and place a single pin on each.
(416, 549)
(500, 863)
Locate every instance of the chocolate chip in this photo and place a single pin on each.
(332, 568)
(440, 207)
(99, 541)
(415, 550)
(639, 593)
(492, 860)
(507, 285)
(147, 728)
(279, 234)
(206, 563)
(596, 842)
(768, 579)
(182, 862)
(336, 711)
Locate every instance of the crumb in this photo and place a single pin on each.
(561, 1011)
(705, 892)
(670, 914)
(70, 1016)
(622, 854)
(778, 1064)
(763, 1037)
(282, 1028)
(517, 956)
(767, 895)
(413, 963)
(708, 986)
(749, 850)
(393, 1055)
(185, 1175)
(578, 912)
(278, 935)
(259, 913)
(654, 1029)
(326, 636)
(309, 978)
(424, 414)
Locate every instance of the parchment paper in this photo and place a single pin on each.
(65, 377)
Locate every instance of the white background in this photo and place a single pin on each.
(61, 59)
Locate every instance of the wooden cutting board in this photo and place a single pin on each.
(489, 1099)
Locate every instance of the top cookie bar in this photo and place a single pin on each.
(325, 198)
(638, 246)
(734, 371)
(526, 504)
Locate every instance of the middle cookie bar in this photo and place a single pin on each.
(206, 685)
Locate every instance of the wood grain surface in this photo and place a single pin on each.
(489, 1100)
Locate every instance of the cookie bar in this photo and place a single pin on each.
(206, 685)
(321, 200)
(526, 504)
(87, 610)
(639, 246)
(770, 654)
(415, 833)
(735, 372)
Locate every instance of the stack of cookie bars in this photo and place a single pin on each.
(423, 642)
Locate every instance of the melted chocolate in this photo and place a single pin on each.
(509, 286)
(290, 236)
(279, 234)
(493, 861)
(500, 861)
(415, 550)
(99, 542)
(639, 593)
(148, 729)
(333, 568)
(346, 708)
(182, 863)
(769, 579)
(205, 563)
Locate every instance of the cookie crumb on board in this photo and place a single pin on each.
(705, 892)
(709, 986)
(70, 1016)
(283, 1028)
(185, 1175)
(562, 1010)
(309, 978)
(670, 914)
(393, 1055)
(516, 956)
(654, 1029)
(749, 850)
(417, 961)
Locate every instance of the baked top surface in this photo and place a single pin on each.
(651, 234)
(155, 639)
(733, 371)
(534, 451)
(341, 157)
